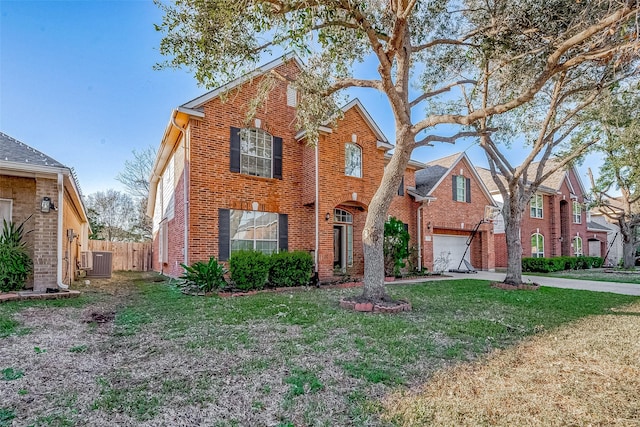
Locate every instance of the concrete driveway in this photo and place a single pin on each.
(556, 282)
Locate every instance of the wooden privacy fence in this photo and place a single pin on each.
(126, 255)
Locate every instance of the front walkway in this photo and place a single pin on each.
(556, 282)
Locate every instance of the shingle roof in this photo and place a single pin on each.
(591, 225)
(553, 182)
(12, 150)
(428, 177)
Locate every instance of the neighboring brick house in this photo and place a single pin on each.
(220, 184)
(43, 193)
(452, 201)
(554, 222)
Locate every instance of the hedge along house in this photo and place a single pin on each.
(43, 193)
(554, 222)
(451, 215)
(221, 184)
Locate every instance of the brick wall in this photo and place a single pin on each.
(45, 259)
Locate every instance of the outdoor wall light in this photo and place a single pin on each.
(327, 216)
(46, 205)
(429, 225)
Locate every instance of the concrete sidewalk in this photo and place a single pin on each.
(556, 282)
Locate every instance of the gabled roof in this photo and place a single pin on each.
(594, 226)
(551, 185)
(198, 102)
(435, 172)
(14, 151)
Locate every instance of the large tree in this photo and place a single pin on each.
(438, 47)
(116, 215)
(135, 178)
(619, 123)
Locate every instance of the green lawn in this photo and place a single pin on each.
(139, 352)
(597, 274)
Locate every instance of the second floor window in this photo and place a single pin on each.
(461, 191)
(353, 160)
(256, 151)
(536, 206)
(577, 213)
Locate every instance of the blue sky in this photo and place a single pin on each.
(77, 83)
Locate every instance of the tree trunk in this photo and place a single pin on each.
(513, 220)
(628, 248)
(373, 232)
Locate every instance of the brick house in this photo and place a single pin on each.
(451, 208)
(554, 222)
(43, 193)
(220, 184)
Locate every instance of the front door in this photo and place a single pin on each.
(338, 247)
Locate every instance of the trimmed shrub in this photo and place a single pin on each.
(549, 265)
(249, 269)
(15, 263)
(290, 268)
(206, 276)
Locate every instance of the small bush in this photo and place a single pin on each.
(249, 269)
(549, 265)
(290, 268)
(15, 263)
(206, 276)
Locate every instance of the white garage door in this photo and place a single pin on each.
(594, 248)
(452, 247)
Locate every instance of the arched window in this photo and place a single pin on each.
(353, 160)
(256, 152)
(340, 215)
(577, 246)
(537, 245)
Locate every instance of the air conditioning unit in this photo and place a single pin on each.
(86, 260)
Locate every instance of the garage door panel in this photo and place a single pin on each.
(451, 247)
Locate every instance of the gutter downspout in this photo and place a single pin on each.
(185, 186)
(419, 214)
(317, 209)
(60, 226)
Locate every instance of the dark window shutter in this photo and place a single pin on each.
(454, 187)
(224, 234)
(234, 155)
(401, 188)
(283, 232)
(277, 157)
(467, 184)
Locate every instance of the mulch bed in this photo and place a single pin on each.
(520, 287)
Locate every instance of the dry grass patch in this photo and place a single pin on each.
(585, 373)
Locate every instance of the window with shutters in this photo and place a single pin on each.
(251, 230)
(461, 191)
(537, 245)
(401, 188)
(6, 207)
(353, 160)
(256, 152)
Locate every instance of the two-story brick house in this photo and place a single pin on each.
(554, 222)
(221, 184)
(452, 200)
(42, 193)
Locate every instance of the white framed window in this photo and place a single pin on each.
(256, 152)
(577, 213)
(341, 216)
(252, 230)
(536, 206)
(353, 160)
(577, 246)
(6, 210)
(461, 189)
(292, 96)
(537, 245)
